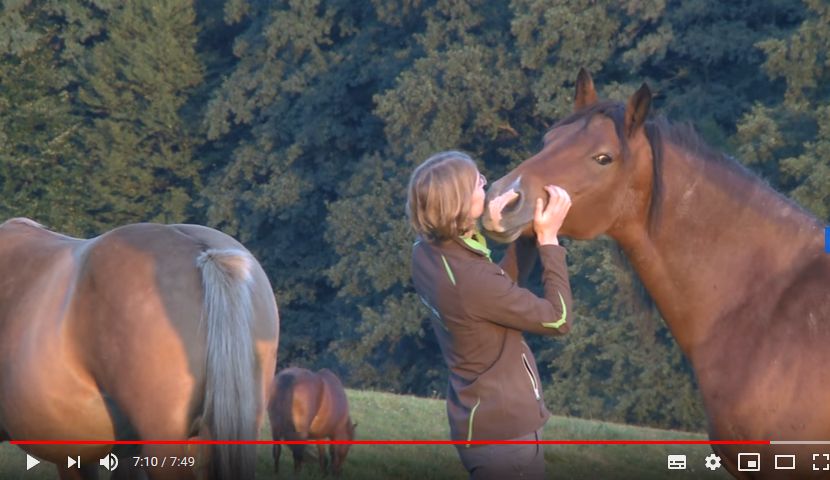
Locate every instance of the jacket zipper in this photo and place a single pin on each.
(532, 377)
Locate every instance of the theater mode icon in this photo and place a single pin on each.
(677, 462)
(749, 462)
(785, 462)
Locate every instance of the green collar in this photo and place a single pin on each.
(478, 243)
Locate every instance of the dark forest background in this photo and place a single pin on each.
(294, 125)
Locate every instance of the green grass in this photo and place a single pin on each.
(384, 416)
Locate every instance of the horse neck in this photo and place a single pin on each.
(720, 234)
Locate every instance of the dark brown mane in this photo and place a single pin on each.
(660, 131)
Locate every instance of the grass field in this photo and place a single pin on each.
(384, 416)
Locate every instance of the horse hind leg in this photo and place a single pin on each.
(166, 418)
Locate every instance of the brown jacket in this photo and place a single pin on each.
(478, 314)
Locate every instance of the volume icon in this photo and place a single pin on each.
(110, 462)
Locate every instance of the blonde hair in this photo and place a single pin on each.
(440, 194)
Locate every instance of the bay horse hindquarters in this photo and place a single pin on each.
(146, 332)
(306, 405)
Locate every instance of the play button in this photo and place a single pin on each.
(31, 461)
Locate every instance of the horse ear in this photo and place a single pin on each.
(637, 110)
(586, 95)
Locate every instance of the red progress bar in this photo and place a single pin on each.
(390, 442)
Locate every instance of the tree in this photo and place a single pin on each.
(790, 139)
(133, 84)
(304, 129)
(40, 158)
(295, 116)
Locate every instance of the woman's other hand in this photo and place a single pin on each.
(547, 220)
(497, 204)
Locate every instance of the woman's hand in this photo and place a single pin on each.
(496, 206)
(548, 220)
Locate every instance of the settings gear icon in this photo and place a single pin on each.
(713, 462)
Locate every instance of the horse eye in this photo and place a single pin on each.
(602, 159)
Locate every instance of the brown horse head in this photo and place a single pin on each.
(592, 155)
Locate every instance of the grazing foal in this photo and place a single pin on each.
(306, 405)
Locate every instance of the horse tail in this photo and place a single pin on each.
(230, 406)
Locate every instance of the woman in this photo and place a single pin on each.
(479, 311)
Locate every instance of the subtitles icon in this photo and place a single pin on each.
(749, 462)
(110, 462)
(677, 462)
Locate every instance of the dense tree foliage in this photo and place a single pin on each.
(42, 166)
(132, 86)
(294, 125)
(788, 138)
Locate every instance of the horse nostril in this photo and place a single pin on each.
(514, 204)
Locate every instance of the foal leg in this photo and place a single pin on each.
(275, 452)
(335, 460)
(297, 450)
(321, 458)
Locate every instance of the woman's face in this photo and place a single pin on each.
(477, 207)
